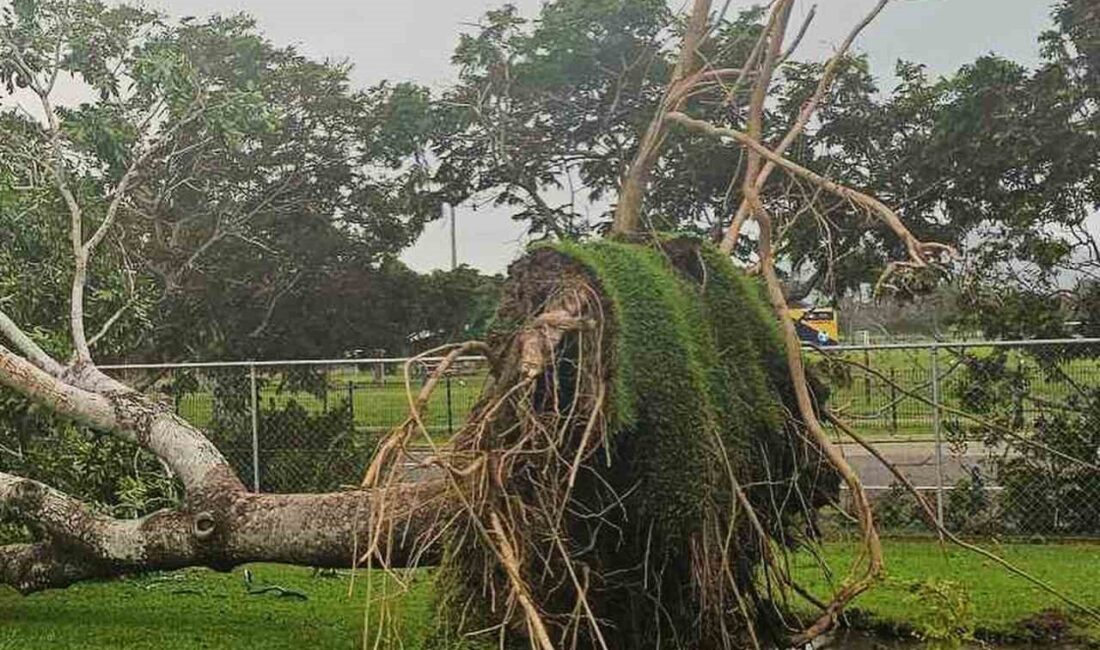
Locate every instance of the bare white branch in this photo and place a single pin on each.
(805, 114)
(109, 323)
(28, 347)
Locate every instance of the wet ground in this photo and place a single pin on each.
(860, 640)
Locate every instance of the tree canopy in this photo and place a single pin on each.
(248, 184)
(997, 159)
(268, 199)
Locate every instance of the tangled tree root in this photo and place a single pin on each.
(635, 469)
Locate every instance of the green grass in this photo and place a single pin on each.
(883, 412)
(1000, 601)
(202, 609)
(378, 406)
(198, 608)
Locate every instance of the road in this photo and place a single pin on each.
(917, 460)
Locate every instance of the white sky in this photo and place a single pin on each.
(413, 40)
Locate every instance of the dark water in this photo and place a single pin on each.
(858, 640)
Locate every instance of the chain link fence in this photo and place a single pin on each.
(306, 426)
(1001, 437)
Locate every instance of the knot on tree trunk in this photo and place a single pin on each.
(203, 526)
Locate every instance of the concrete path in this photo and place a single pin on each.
(917, 460)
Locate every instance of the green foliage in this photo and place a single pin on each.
(301, 449)
(13, 534)
(451, 306)
(970, 509)
(547, 113)
(995, 158)
(1045, 495)
(262, 182)
(944, 617)
(114, 475)
(306, 452)
(896, 510)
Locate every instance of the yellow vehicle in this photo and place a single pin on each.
(816, 325)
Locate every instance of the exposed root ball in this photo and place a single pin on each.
(633, 474)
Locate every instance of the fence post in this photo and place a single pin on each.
(255, 429)
(450, 411)
(867, 375)
(351, 398)
(936, 430)
(893, 402)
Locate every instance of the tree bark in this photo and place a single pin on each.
(321, 530)
(629, 208)
(219, 524)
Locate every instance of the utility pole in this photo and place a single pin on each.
(454, 246)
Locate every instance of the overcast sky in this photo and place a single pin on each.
(413, 40)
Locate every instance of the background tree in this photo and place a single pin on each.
(114, 164)
(274, 177)
(547, 115)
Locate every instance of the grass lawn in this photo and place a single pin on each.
(999, 601)
(197, 608)
(202, 609)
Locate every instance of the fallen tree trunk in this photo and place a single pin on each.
(220, 524)
(319, 530)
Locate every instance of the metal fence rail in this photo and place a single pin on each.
(1003, 436)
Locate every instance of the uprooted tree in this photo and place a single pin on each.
(649, 442)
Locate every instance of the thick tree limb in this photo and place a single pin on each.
(307, 529)
(628, 210)
(108, 405)
(61, 182)
(70, 523)
(773, 36)
(858, 582)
